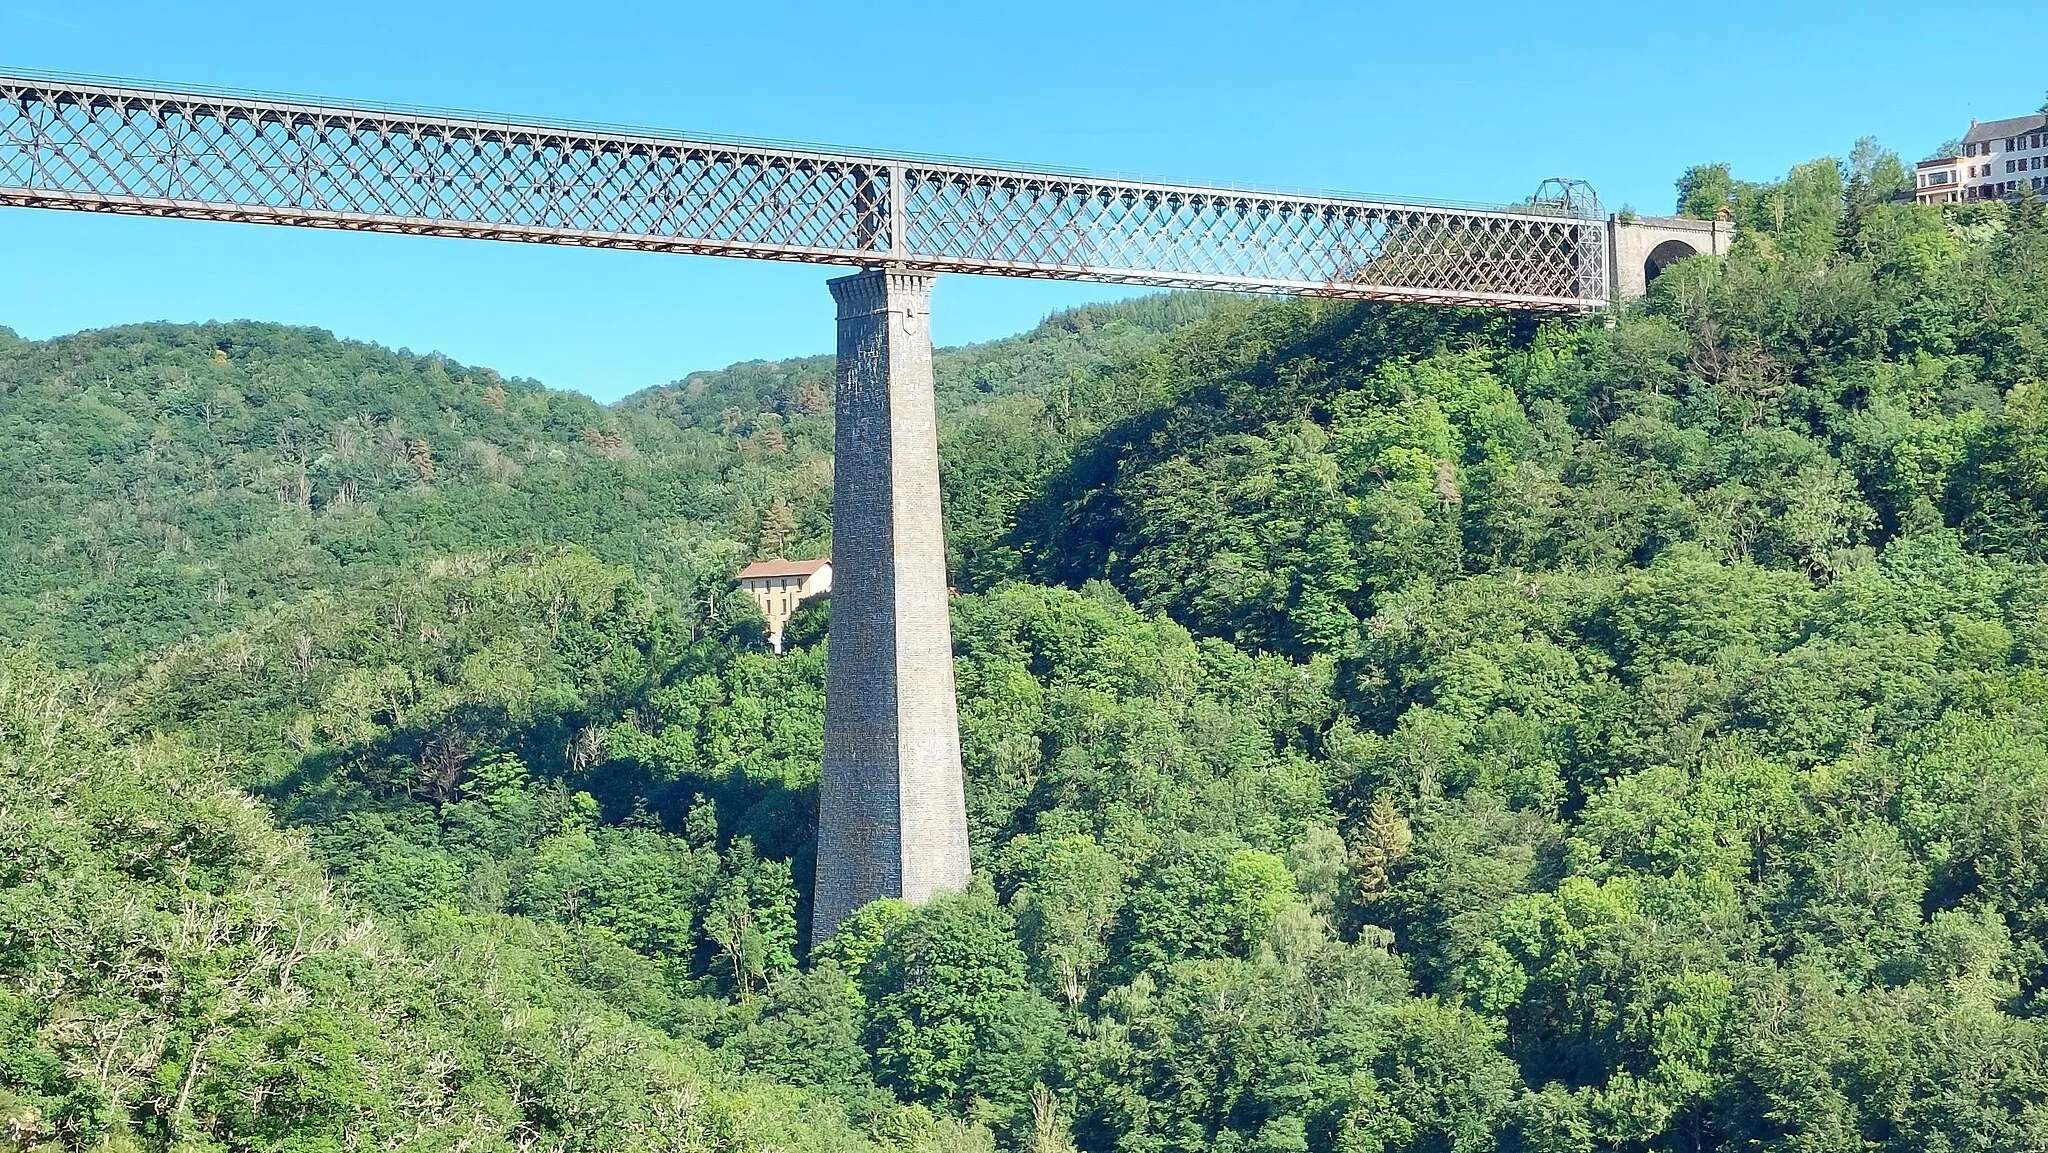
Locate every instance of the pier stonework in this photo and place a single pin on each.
(892, 809)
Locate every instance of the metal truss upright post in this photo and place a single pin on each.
(892, 810)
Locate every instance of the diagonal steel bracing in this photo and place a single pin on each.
(105, 147)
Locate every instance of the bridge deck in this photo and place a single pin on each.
(96, 146)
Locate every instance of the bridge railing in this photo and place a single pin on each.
(96, 146)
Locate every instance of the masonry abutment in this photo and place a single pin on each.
(1641, 247)
(892, 810)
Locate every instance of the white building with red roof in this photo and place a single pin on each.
(1999, 158)
(778, 586)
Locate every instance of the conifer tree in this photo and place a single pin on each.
(1383, 841)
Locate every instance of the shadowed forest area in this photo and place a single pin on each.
(1388, 730)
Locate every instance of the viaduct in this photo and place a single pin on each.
(892, 816)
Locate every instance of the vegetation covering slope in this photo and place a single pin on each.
(164, 481)
(179, 971)
(1387, 730)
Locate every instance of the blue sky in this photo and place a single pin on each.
(1474, 101)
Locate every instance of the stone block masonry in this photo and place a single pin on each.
(1640, 248)
(892, 809)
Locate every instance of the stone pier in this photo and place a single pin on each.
(892, 810)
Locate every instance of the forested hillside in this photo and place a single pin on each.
(163, 482)
(1387, 730)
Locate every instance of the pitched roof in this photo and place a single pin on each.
(782, 568)
(2000, 129)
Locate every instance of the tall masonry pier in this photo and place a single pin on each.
(892, 808)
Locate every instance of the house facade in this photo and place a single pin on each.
(1999, 158)
(1940, 180)
(779, 586)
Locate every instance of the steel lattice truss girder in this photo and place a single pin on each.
(107, 148)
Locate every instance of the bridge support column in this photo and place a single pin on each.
(892, 810)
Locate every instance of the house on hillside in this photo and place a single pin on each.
(1939, 180)
(1999, 158)
(778, 586)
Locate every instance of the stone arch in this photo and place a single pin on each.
(1664, 256)
(1640, 247)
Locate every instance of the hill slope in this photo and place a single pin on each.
(178, 974)
(167, 480)
(1386, 729)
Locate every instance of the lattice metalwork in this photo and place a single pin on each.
(100, 147)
